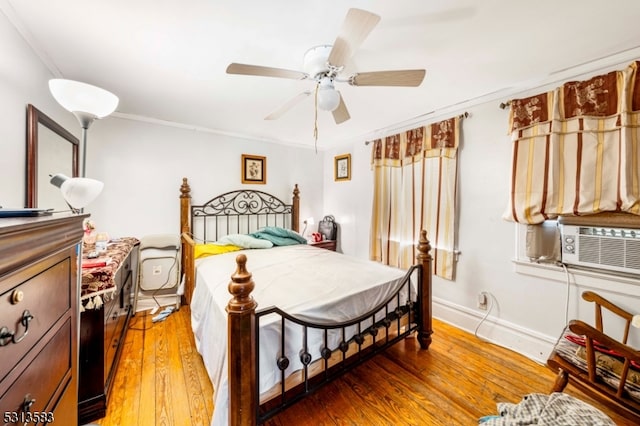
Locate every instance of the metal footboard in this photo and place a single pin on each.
(345, 345)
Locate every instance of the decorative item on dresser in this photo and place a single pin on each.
(38, 319)
(108, 282)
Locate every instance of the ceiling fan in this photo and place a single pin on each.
(324, 64)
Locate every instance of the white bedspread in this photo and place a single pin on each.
(308, 282)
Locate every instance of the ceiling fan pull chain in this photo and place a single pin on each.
(315, 119)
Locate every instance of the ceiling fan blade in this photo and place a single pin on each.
(408, 78)
(356, 27)
(341, 114)
(258, 70)
(287, 106)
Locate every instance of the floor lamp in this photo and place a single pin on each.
(86, 102)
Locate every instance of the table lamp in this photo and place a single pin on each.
(77, 192)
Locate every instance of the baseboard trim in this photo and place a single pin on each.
(529, 343)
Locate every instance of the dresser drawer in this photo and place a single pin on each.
(111, 315)
(48, 374)
(123, 273)
(126, 300)
(111, 345)
(45, 296)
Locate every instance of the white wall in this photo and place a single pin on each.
(142, 166)
(23, 81)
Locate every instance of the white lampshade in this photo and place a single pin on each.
(328, 96)
(83, 98)
(77, 192)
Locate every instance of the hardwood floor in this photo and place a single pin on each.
(161, 380)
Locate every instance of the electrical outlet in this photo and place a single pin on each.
(482, 301)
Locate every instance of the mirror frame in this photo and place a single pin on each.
(35, 117)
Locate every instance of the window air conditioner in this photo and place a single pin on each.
(613, 249)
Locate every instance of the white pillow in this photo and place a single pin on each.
(244, 241)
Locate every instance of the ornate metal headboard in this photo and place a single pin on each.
(239, 212)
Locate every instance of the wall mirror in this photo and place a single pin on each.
(51, 149)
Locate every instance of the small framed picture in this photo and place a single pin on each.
(342, 167)
(254, 169)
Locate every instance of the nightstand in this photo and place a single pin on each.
(326, 244)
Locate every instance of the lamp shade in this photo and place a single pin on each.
(79, 97)
(328, 96)
(77, 192)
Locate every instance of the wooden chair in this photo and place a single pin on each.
(597, 364)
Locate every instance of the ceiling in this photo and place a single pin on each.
(166, 59)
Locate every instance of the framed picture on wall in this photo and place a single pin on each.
(342, 167)
(254, 169)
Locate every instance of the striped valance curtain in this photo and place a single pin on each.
(415, 176)
(575, 149)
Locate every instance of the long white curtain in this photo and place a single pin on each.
(575, 149)
(415, 182)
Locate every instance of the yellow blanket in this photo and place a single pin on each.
(204, 250)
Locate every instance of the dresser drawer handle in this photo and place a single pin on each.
(16, 297)
(7, 336)
(27, 403)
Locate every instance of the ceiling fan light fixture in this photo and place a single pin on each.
(328, 99)
(328, 96)
(315, 60)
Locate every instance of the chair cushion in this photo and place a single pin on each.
(606, 369)
(600, 349)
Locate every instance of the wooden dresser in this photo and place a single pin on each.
(39, 319)
(103, 326)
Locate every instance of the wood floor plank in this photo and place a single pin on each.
(401, 397)
(194, 389)
(184, 382)
(177, 386)
(461, 399)
(147, 395)
(457, 380)
(165, 403)
(123, 401)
